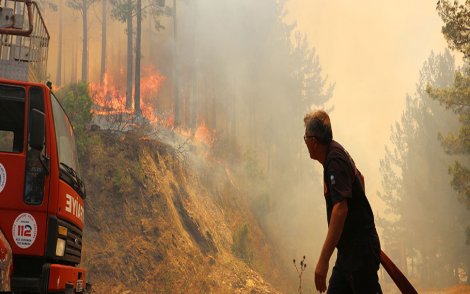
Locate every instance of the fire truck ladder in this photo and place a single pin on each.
(24, 41)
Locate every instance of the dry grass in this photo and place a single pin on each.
(150, 220)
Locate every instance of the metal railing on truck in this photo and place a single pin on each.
(24, 41)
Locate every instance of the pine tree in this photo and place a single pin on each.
(456, 30)
(82, 6)
(123, 11)
(103, 39)
(424, 219)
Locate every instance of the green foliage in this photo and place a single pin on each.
(242, 246)
(314, 87)
(257, 185)
(80, 5)
(77, 103)
(138, 172)
(456, 30)
(420, 203)
(460, 181)
(457, 98)
(122, 180)
(122, 8)
(457, 24)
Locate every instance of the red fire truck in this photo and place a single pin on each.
(41, 192)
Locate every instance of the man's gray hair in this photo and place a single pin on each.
(317, 124)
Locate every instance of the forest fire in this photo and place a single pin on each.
(187, 119)
(204, 135)
(110, 96)
(109, 100)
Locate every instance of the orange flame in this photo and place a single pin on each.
(204, 135)
(110, 96)
(110, 99)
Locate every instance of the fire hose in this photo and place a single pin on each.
(397, 276)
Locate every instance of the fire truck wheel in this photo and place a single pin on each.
(69, 289)
(45, 278)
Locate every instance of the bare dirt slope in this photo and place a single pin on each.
(157, 225)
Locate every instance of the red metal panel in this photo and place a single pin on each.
(20, 83)
(71, 205)
(14, 167)
(28, 235)
(60, 275)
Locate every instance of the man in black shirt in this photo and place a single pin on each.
(351, 227)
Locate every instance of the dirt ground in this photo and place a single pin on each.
(390, 288)
(460, 289)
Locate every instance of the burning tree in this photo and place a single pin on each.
(109, 101)
(125, 11)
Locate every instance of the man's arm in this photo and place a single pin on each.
(338, 217)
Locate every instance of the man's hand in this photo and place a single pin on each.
(320, 275)
(338, 217)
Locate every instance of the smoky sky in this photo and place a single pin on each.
(373, 50)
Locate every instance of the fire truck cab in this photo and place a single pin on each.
(41, 192)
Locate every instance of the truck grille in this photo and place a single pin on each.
(73, 248)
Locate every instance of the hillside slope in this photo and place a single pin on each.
(155, 224)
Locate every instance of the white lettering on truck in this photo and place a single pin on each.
(73, 206)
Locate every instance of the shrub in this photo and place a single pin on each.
(77, 102)
(242, 246)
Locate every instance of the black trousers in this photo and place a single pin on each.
(355, 270)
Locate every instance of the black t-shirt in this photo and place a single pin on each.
(342, 182)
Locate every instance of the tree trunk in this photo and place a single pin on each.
(194, 100)
(129, 57)
(85, 41)
(58, 80)
(252, 125)
(214, 109)
(175, 68)
(103, 40)
(234, 117)
(466, 268)
(73, 75)
(194, 70)
(138, 36)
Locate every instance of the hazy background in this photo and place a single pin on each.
(249, 71)
(373, 51)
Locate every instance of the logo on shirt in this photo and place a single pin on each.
(332, 180)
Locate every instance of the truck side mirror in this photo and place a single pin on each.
(37, 132)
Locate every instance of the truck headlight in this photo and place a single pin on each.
(60, 247)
